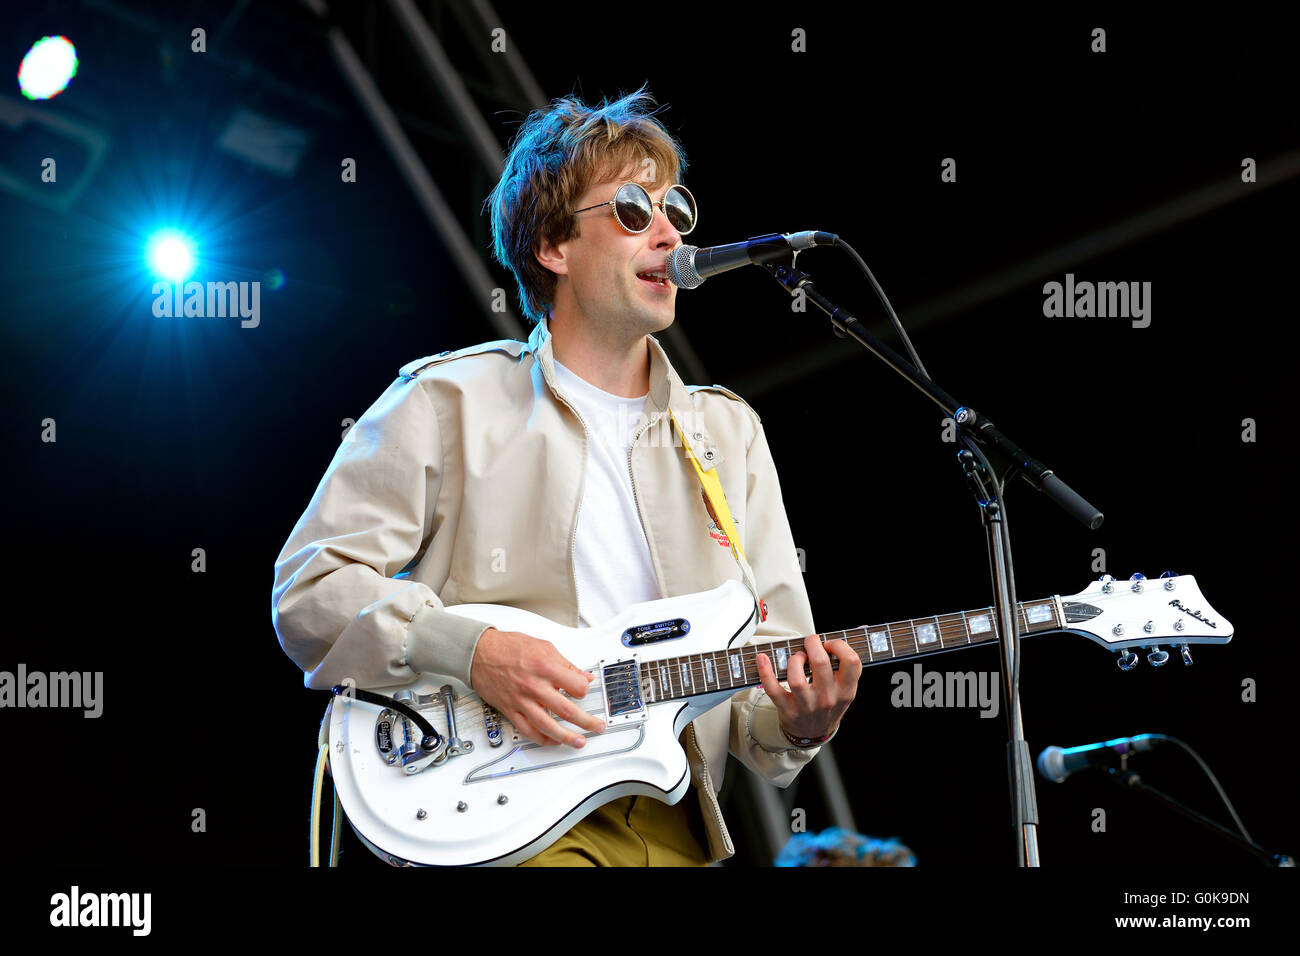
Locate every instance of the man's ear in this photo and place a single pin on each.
(553, 257)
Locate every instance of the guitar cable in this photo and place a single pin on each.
(322, 758)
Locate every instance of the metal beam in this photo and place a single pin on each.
(426, 191)
(444, 74)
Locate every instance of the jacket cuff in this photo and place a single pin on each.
(765, 728)
(443, 643)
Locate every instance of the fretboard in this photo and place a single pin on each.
(736, 668)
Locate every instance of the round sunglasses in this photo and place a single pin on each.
(634, 210)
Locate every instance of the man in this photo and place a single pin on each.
(548, 475)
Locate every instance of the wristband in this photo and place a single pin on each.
(804, 743)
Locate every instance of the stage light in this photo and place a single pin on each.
(48, 68)
(171, 256)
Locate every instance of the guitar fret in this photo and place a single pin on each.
(730, 669)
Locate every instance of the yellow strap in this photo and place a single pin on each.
(713, 488)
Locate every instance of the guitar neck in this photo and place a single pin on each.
(736, 668)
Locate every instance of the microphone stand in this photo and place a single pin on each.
(982, 442)
(1128, 779)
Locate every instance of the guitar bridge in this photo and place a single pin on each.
(621, 683)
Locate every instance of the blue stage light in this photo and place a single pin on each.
(48, 68)
(171, 256)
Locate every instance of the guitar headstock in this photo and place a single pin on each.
(1140, 612)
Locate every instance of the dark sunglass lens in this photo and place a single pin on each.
(679, 207)
(633, 208)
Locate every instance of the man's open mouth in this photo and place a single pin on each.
(658, 278)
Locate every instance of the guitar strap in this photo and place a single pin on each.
(713, 491)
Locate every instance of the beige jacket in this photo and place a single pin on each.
(461, 484)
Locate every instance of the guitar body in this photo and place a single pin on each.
(503, 804)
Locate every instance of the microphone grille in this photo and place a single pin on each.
(680, 267)
(1051, 765)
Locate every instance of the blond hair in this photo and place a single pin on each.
(558, 153)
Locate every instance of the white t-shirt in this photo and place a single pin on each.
(611, 557)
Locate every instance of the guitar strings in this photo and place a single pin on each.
(952, 631)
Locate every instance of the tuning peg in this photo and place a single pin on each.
(1127, 661)
(1168, 578)
(1157, 657)
(1187, 655)
(1137, 580)
(1107, 583)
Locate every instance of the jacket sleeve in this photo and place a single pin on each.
(338, 606)
(756, 737)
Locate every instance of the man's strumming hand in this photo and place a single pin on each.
(522, 676)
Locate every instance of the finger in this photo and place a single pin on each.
(820, 662)
(800, 689)
(550, 728)
(574, 714)
(569, 677)
(850, 664)
(767, 677)
(527, 730)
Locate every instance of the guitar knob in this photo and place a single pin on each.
(1187, 655)
(1127, 661)
(1137, 580)
(1157, 657)
(1107, 583)
(1168, 578)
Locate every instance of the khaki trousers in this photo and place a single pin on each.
(633, 831)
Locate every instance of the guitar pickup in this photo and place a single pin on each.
(621, 685)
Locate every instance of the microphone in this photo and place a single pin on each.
(1056, 764)
(688, 266)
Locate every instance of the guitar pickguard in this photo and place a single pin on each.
(526, 755)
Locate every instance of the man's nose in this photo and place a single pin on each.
(662, 232)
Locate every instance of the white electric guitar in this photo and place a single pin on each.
(433, 776)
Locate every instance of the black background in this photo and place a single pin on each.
(183, 434)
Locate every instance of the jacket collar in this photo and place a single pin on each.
(666, 387)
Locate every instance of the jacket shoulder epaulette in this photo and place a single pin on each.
(725, 391)
(412, 369)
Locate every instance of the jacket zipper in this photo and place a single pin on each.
(573, 535)
(708, 782)
(635, 498)
(577, 511)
